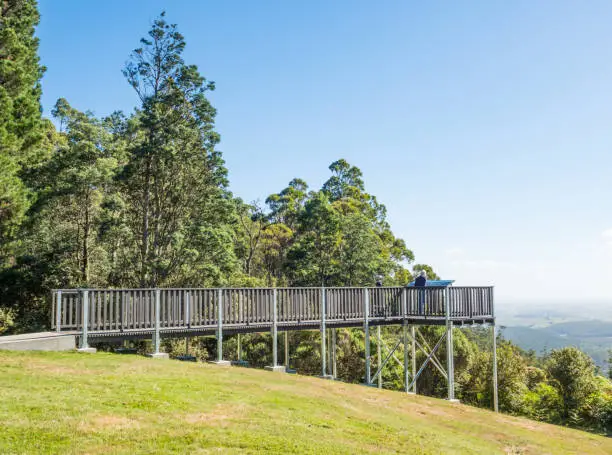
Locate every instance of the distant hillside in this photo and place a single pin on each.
(105, 403)
(593, 337)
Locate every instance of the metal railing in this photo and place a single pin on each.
(134, 309)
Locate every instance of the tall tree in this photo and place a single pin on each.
(21, 127)
(178, 209)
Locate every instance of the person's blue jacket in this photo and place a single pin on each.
(420, 282)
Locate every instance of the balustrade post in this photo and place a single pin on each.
(187, 296)
(84, 347)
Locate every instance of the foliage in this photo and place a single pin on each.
(22, 131)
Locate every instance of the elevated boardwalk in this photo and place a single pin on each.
(131, 313)
(120, 314)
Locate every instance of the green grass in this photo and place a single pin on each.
(114, 404)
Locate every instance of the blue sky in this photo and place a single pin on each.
(483, 126)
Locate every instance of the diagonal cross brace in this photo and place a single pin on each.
(416, 376)
(434, 359)
(385, 361)
(394, 356)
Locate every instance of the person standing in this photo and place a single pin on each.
(421, 282)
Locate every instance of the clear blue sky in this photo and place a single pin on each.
(485, 127)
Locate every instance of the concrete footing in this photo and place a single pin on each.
(454, 400)
(327, 376)
(276, 369)
(158, 355)
(87, 350)
(221, 363)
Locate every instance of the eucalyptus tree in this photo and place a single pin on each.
(178, 210)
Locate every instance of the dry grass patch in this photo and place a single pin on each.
(106, 422)
(221, 415)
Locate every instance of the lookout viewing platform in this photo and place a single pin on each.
(136, 313)
(110, 315)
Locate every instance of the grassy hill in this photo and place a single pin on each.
(105, 403)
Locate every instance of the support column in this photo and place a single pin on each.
(286, 349)
(323, 336)
(413, 370)
(84, 347)
(220, 360)
(156, 354)
(334, 365)
(495, 397)
(405, 336)
(275, 366)
(450, 362)
(366, 328)
(450, 357)
(379, 355)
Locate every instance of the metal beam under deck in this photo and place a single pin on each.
(231, 329)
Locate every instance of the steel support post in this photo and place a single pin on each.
(413, 370)
(275, 366)
(495, 397)
(58, 312)
(366, 328)
(379, 355)
(334, 365)
(274, 331)
(84, 346)
(405, 342)
(156, 354)
(450, 358)
(450, 368)
(287, 349)
(220, 326)
(323, 336)
(220, 360)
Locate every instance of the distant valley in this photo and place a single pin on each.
(543, 328)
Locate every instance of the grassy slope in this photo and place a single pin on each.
(105, 403)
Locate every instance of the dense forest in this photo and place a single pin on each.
(142, 199)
